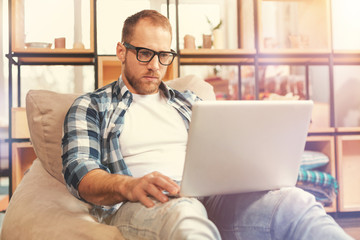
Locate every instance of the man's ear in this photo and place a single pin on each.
(120, 52)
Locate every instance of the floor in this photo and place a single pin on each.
(350, 222)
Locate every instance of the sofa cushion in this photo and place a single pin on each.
(46, 111)
(193, 83)
(313, 159)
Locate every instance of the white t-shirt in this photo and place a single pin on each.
(154, 137)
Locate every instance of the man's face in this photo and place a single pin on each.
(140, 77)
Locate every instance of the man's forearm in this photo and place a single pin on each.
(102, 188)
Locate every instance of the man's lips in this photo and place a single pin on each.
(151, 78)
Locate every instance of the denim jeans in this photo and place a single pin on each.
(179, 218)
(288, 213)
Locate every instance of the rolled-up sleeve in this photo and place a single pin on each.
(81, 143)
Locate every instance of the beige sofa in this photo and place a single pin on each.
(41, 207)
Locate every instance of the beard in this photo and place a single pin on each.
(141, 86)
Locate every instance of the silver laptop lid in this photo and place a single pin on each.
(242, 146)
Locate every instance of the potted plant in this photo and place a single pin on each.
(217, 34)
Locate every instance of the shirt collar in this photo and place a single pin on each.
(124, 91)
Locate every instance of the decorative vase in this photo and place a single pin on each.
(218, 39)
(207, 41)
(189, 42)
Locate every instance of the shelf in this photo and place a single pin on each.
(348, 129)
(348, 167)
(346, 53)
(19, 124)
(201, 52)
(294, 56)
(320, 118)
(313, 131)
(54, 56)
(20, 21)
(346, 57)
(296, 52)
(52, 51)
(55, 61)
(216, 56)
(324, 144)
(109, 70)
(23, 156)
(294, 24)
(268, 56)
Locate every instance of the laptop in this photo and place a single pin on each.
(244, 146)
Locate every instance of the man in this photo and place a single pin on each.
(124, 145)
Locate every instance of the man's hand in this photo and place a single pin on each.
(152, 184)
(102, 188)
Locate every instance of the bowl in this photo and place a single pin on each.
(38, 45)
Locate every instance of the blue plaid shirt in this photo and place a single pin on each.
(92, 128)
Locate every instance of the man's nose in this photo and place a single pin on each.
(154, 64)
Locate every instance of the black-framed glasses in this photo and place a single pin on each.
(146, 55)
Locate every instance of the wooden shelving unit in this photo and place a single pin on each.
(17, 31)
(310, 45)
(19, 124)
(348, 165)
(326, 145)
(216, 56)
(109, 69)
(339, 143)
(20, 149)
(308, 14)
(23, 156)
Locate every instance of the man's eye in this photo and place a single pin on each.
(145, 54)
(165, 55)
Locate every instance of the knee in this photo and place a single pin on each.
(188, 220)
(300, 198)
(187, 207)
(300, 215)
(295, 205)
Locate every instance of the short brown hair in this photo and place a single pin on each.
(155, 18)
